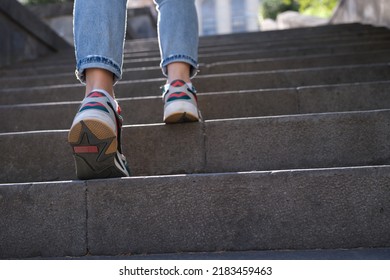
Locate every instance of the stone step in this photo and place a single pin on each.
(268, 64)
(289, 210)
(250, 45)
(305, 32)
(250, 65)
(279, 142)
(300, 132)
(238, 51)
(270, 53)
(261, 44)
(211, 83)
(216, 105)
(134, 47)
(314, 254)
(281, 43)
(339, 31)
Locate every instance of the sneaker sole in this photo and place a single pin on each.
(180, 118)
(179, 112)
(94, 146)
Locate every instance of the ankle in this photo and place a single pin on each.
(99, 79)
(179, 71)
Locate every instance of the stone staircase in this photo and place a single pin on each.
(293, 154)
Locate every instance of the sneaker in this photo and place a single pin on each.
(95, 137)
(180, 103)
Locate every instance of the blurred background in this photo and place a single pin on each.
(215, 16)
(24, 21)
(228, 16)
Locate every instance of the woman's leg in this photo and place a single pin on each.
(95, 134)
(178, 36)
(178, 39)
(99, 32)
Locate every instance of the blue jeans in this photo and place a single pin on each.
(99, 33)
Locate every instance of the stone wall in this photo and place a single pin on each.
(59, 16)
(23, 36)
(376, 12)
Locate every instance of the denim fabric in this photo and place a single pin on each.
(100, 26)
(178, 32)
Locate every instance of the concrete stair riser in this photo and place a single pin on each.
(313, 41)
(306, 141)
(146, 47)
(216, 68)
(308, 209)
(258, 42)
(277, 35)
(47, 219)
(313, 209)
(36, 71)
(36, 156)
(238, 104)
(311, 254)
(255, 43)
(69, 66)
(210, 83)
(301, 32)
(339, 31)
(294, 77)
(296, 62)
(150, 59)
(290, 52)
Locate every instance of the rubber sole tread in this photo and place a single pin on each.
(94, 148)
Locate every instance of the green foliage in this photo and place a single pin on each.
(271, 8)
(320, 8)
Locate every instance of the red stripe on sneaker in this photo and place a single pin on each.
(177, 94)
(178, 83)
(93, 104)
(86, 149)
(96, 94)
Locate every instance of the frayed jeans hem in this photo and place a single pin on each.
(97, 62)
(180, 58)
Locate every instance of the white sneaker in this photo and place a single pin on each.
(95, 137)
(180, 103)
